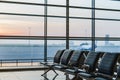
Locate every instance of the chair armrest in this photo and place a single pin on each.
(86, 67)
(75, 68)
(47, 63)
(104, 75)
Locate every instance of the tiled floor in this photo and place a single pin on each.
(30, 75)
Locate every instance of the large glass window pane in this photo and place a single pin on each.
(59, 11)
(57, 2)
(56, 27)
(111, 46)
(21, 49)
(80, 45)
(107, 28)
(80, 12)
(107, 14)
(32, 1)
(26, 9)
(111, 4)
(86, 3)
(54, 45)
(21, 26)
(80, 28)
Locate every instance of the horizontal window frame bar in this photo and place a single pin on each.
(36, 15)
(20, 59)
(96, 38)
(23, 3)
(23, 37)
(21, 14)
(53, 5)
(57, 38)
(104, 9)
(110, 38)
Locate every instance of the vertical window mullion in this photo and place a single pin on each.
(45, 31)
(67, 24)
(93, 25)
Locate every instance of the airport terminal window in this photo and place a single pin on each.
(111, 46)
(56, 27)
(80, 45)
(80, 28)
(24, 9)
(57, 11)
(53, 46)
(84, 3)
(107, 4)
(31, 1)
(77, 12)
(107, 14)
(21, 26)
(57, 2)
(21, 49)
(107, 28)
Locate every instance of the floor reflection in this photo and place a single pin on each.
(31, 75)
(47, 78)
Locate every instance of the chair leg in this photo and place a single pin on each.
(77, 78)
(45, 72)
(90, 79)
(67, 76)
(48, 71)
(55, 77)
(45, 76)
(55, 71)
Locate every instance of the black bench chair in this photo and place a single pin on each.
(117, 77)
(105, 68)
(118, 74)
(64, 60)
(76, 60)
(89, 65)
(56, 61)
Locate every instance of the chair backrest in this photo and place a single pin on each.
(58, 55)
(82, 59)
(118, 74)
(107, 64)
(75, 58)
(66, 56)
(92, 60)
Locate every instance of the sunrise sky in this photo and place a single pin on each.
(19, 25)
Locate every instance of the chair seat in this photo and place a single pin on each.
(100, 78)
(49, 63)
(86, 75)
(73, 71)
(60, 67)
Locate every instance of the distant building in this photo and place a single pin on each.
(107, 43)
(107, 39)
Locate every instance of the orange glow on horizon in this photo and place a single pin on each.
(21, 28)
(5, 31)
(9, 32)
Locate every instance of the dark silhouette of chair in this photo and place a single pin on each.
(118, 74)
(105, 68)
(62, 64)
(76, 60)
(89, 64)
(104, 78)
(56, 61)
(64, 60)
